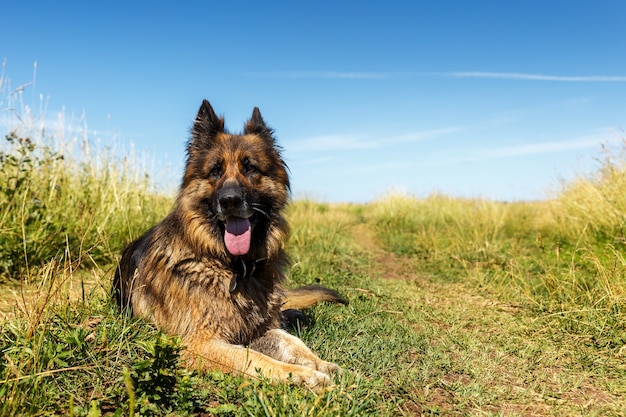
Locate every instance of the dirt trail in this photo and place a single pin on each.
(387, 264)
(487, 357)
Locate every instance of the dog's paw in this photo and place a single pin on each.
(315, 380)
(329, 368)
(320, 365)
(318, 380)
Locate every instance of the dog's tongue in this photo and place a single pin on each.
(237, 235)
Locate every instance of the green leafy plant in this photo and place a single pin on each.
(158, 382)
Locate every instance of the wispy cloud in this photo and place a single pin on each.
(593, 140)
(535, 77)
(333, 143)
(399, 75)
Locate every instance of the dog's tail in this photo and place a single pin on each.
(310, 295)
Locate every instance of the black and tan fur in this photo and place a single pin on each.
(184, 277)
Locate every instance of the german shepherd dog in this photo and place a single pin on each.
(212, 270)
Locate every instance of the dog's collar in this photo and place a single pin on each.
(243, 269)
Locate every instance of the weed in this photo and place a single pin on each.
(158, 382)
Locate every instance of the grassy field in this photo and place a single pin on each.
(457, 307)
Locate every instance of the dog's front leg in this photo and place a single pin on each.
(208, 353)
(285, 347)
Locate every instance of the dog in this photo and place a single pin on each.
(213, 270)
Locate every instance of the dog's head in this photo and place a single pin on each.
(235, 187)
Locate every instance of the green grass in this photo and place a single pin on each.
(457, 307)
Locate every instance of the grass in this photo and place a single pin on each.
(457, 307)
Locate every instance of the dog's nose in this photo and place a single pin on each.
(230, 201)
(230, 197)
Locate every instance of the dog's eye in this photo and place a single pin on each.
(248, 167)
(216, 171)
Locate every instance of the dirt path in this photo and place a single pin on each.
(387, 264)
(484, 356)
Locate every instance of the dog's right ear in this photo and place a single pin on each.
(206, 126)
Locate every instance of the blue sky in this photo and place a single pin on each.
(491, 99)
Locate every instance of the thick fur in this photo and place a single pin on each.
(182, 275)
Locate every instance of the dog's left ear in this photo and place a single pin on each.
(256, 125)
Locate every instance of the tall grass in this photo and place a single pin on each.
(563, 257)
(594, 206)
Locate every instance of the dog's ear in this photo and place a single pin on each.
(256, 125)
(206, 126)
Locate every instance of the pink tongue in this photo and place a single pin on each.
(237, 236)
